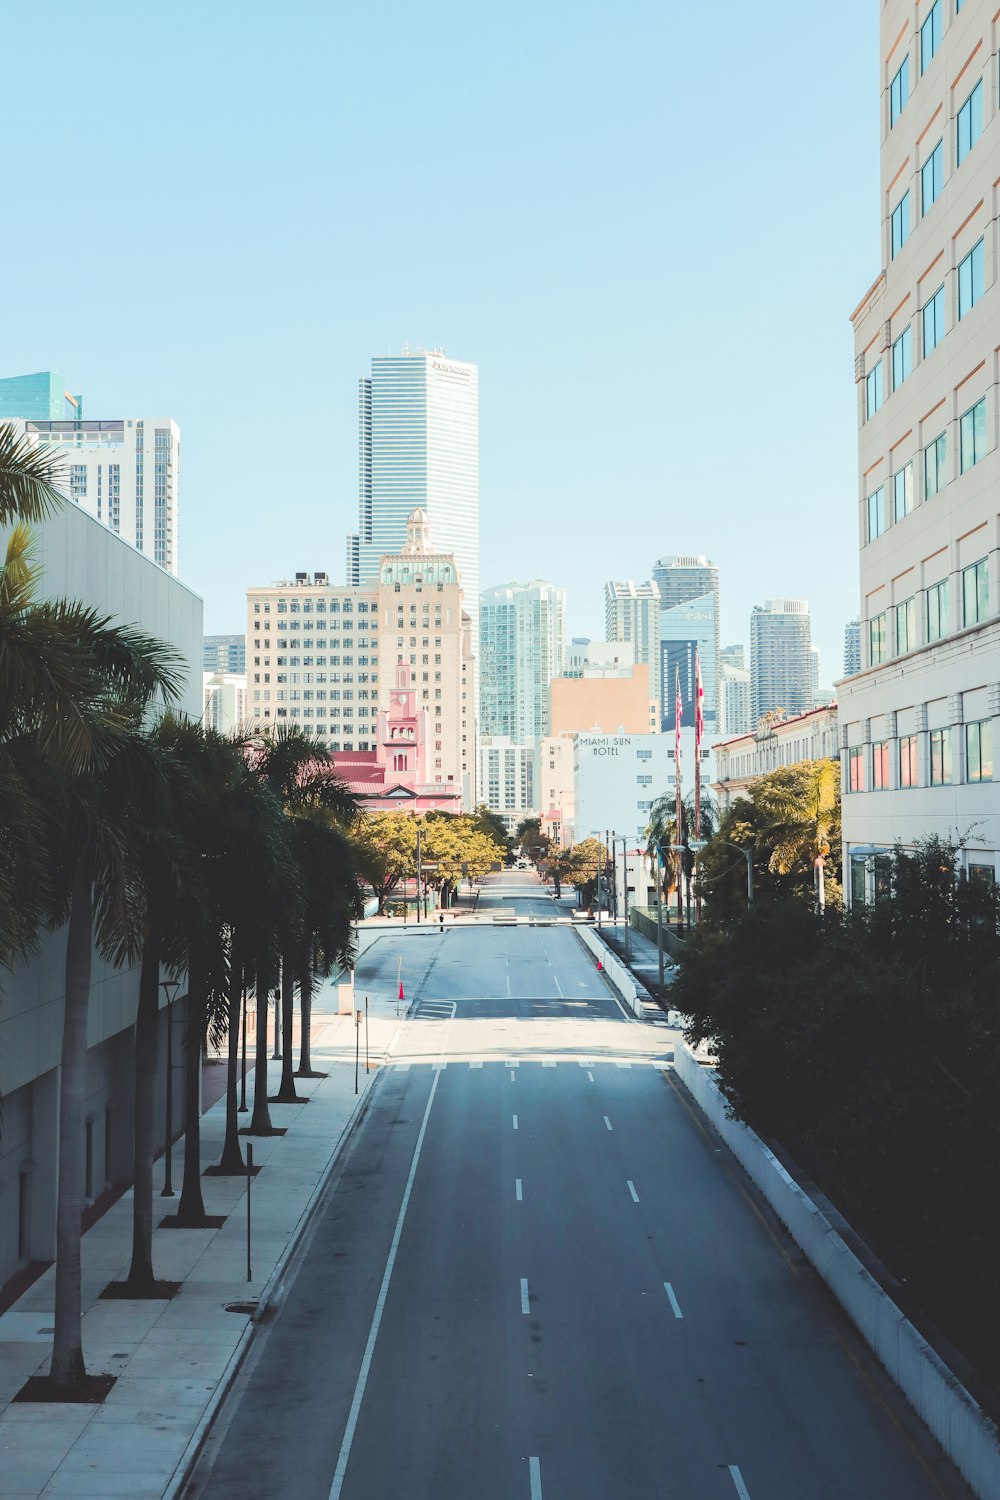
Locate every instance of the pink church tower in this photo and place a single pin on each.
(403, 735)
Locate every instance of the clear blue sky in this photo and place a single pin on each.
(646, 223)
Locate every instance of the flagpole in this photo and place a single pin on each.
(679, 815)
(699, 723)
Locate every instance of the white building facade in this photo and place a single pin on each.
(775, 742)
(83, 560)
(632, 613)
(617, 778)
(225, 698)
(781, 661)
(507, 773)
(921, 719)
(122, 472)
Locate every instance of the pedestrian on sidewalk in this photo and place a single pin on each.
(441, 920)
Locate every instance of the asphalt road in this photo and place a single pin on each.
(550, 1280)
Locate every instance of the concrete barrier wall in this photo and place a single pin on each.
(957, 1421)
(620, 976)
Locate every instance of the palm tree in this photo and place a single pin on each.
(28, 477)
(800, 811)
(299, 772)
(100, 892)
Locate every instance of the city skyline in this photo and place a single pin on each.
(595, 362)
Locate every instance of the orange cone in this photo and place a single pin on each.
(401, 995)
(600, 967)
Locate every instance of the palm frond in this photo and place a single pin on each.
(29, 477)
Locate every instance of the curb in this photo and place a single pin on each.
(270, 1296)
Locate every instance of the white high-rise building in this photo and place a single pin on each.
(781, 663)
(418, 447)
(123, 472)
(920, 721)
(522, 643)
(225, 701)
(734, 692)
(632, 613)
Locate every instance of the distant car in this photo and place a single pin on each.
(582, 914)
(524, 864)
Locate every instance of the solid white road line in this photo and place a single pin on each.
(673, 1300)
(555, 981)
(535, 1476)
(514, 1118)
(517, 1190)
(508, 986)
(635, 1195)
(737, 1478)
(607, 1122)
(524, 1295)
(359, 1389)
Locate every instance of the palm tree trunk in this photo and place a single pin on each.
(286, 1091)
(232, 1155)
(305, 1067)
(68, 1370)
(191, 1208)
(260, 1120)
(147, 1037)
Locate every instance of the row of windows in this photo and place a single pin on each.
(974, 600)
(930, 42)
(971, 287)
(977, 741)
(972, 448)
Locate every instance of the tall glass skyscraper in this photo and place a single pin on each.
(418, 445)
(42, 397)
(522, 647)
(689, 618)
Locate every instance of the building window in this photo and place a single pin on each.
(979, 751)
(876, 513)
(855, 770)
(906, 626)
(937, 610)
(935, 457)
(902, 492)
(933, 321)
(899, 91)
(873, 390)
(930, 35)
(932, 178)
(908, 761)
(969, 126)
(972, 436)
(876, 639)
(902, 358)
(975, 593)
(880, 765)
(78, 481)
(900, 224)
(940, 740)
(970, 280)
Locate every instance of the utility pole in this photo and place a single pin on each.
(418, 873)
(660, 867)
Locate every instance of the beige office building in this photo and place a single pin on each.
(919, 723)
(322, 655)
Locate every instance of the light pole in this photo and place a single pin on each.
(418, 874)
(695, 846)
(628, 945)
(748, 856)
(170, 988)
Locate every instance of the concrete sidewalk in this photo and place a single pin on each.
(174, 1359)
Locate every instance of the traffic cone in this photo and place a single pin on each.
(401, 995)
(600, 967)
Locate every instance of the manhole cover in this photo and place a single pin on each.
(247, 1308)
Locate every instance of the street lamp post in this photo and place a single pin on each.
(660, 869)
(170, 988)
(748, 856)
(418, 874)
(628, 944)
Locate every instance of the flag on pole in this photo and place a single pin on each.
(699, 729)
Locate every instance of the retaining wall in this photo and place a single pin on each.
(957, 1421)
(620, 976)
